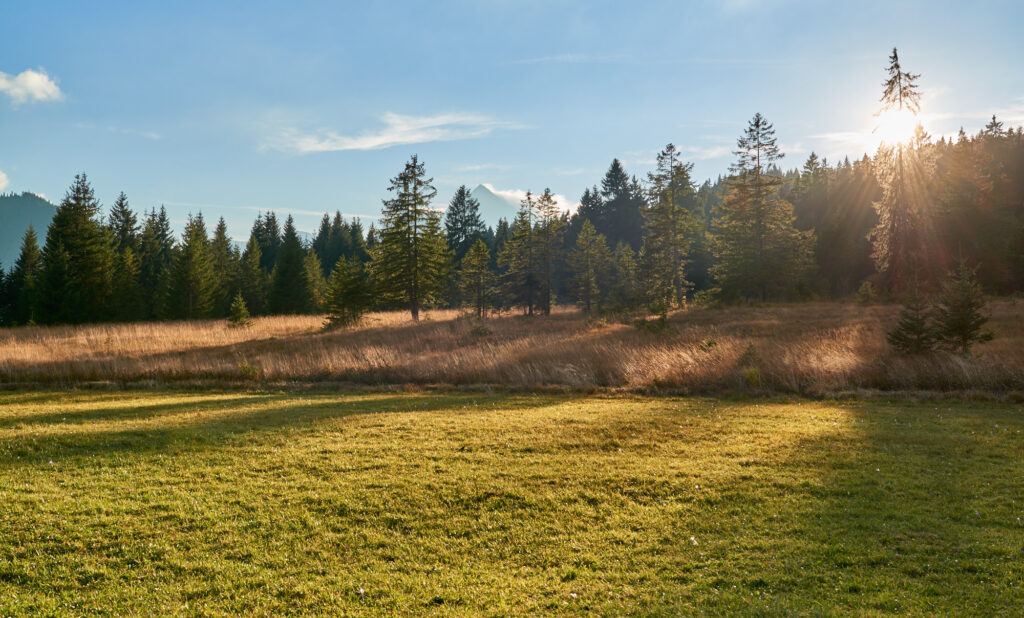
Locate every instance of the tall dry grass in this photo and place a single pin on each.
(804, 348)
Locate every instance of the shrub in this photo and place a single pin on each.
(913, 333)
(239, 315)
(958, 316)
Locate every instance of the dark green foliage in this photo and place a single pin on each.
(123, 224)
(317, 282)
(239, 313)
(225, 262)
(156, 249)
(668, 228)
(128, 300)
(349, 293)
(462, 223)
(75, 277)
(268, 235)
(411, 260)
(253, 282)
(22, 282)
(550, 228)
(759, 254)
(476, 281)
(625, 292)
(290, 289)
(959, 314)
(620, 209)
(193, 285)
(519, 261)
(913, 333)
(589, 263)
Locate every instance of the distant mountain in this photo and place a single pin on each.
(494, 206)
(17, 212)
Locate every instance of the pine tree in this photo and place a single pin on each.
(589, 263)
(896, 239)
(23, 279)
(128, 300)
(349, 293)
(959, 317)
(156, 250)
(621, 207)
(290, 289)
(253, 282)
(224, 259)
(913, 333)
(75, 278)
(411, 260)
(476, 281)
(624, 294)
(192, 286)
(462, 223)
(518, 259)
(239, 312)
(268, 235)
(123, 224)
(668, 229)
(317, 282)
(759, 253)
(548, 235)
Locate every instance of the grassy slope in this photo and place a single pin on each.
(225, 503)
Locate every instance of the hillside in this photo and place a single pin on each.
(17, 212)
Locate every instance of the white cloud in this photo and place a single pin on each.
(515, 196)
(29, 86)
(4, 181)
(398, 130)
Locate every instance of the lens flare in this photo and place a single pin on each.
(896, 126)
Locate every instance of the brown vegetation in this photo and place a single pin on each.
(801, 348)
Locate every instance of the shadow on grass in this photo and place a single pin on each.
(222, 424)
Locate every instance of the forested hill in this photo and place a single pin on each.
(17, 212)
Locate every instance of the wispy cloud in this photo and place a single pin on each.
(481, 167)
(30, 86)
(4, 180)
(572, 58)
(152, 135)
(398, 130)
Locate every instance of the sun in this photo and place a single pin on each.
(895, 126)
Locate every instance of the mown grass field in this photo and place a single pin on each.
(163, 502)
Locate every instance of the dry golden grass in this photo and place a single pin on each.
(805, 348)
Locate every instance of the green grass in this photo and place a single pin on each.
(267, 503)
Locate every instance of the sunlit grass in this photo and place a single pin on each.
(803, 348)
(267, 503)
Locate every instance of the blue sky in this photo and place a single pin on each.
(303, 107)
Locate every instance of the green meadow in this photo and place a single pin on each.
(267, 503)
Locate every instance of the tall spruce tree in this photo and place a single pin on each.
(23, 279)
(589, 263)
(548, 235)
(759, 253)
(123, 224)
(193, 286)
(290, 288)
(518, 259)
(128, 302)
(224, 260)
(476, 281)
(668, 230)
(624, 293)
(621, 207)
(156, 254)
(317, 282)
(411, 260)
(897, 238)
(75, 278)
(253, 282)
(462, 223)
(268, 235)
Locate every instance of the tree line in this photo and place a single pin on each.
(870, 227)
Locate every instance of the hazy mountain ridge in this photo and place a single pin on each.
(17, 212)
